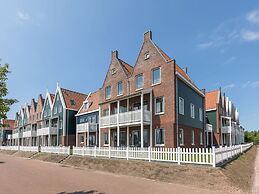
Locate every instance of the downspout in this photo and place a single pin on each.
(176, 96)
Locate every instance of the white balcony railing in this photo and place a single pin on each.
(226, 129)
(125, 118)
(85, 127)
(209, 127)
(17, 135)
(47, 131)
(29, 133)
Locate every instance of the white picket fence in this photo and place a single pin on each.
(55, 149)
(29, 148)
(9, 148)
(204, 156)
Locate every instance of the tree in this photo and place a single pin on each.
(5, 103)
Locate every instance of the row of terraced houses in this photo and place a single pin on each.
(153, 103)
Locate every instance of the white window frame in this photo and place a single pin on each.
(160, 144)
(193, 137)
(108, 97)
(159, 113)
(182, 136)
(200, 114)
(141, 74)
(181, 106)
(55, 110)
(152, 76)
(201, 137)
(119, 94)
(192, 110)
(146, 55)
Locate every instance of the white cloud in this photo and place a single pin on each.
(250, 35)
(250, 84)
(253, 17)
(229, 86)
(255, 84)
(23, 16)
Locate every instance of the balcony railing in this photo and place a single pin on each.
(85, 127)
(226, 129)
(125, 118)
(47, 131)
(17, 135)
(29, 133)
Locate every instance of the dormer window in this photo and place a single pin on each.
(72, 102)
(146, 55)
(113, 71)
(87, 105)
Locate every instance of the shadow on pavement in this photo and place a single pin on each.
(82, 192)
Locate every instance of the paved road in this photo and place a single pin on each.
(19, 175)
(256, 178)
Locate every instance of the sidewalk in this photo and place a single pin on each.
(256, 178)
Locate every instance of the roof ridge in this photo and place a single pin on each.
(74, 91)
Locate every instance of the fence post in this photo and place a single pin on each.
(213, 156)
(149, 154)
(127, 152)
(179, 155)
(241, 147)
(94, 151)
(109, 151)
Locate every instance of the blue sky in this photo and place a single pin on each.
(71, 42)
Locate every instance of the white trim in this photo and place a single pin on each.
(118, 88)
(106, 92)
(160, 113)
(190, 84)
(181, 112)
(200, 114)
(136, 82)
(212, 109)
(182, 136)
(193, 137)
(163, 144)
(192, 110)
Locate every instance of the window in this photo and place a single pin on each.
(181, 106)
(60, 109)
(120, 88)
(113, 71)
(55, 110)
(181, 137)
(60, 124)
(160, 136)
(159, 106)
(192, 111)
(57, 97)
(146, 55)
(192, 137)
(106, 138)
(72, 102)
(200, 114)
(201, 137)
(81, 120)
(49, 113)
(108, 92)
(139, 81)
(82, 139)
(106, 112)
(156, 76)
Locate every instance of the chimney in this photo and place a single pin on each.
(147, 36)
(114, 55)
(185, 70)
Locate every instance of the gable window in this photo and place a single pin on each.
(160, 137)
(192, 137)
(146, 55)
(120, 88)
(106, 142)
(159, 105)
(60, 109)
(55, 110)
(113, 71)
(201, 137)
(181, 106)
(60, 124)
(139, 81)
(192, 110)
(108, 92)
(156, 76)
(200, 114)
(72, 102)
(181, 137)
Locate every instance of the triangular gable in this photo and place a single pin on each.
(40, 104)
(58, 91)
(212, 99)
(33, 106)
(48, 99)
(120, 64)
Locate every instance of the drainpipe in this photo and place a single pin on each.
(176, 95)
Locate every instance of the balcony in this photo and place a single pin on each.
(85, 127)
(17, 135)
(29, 133)
(226, 129)
(126, 118)
(47, 131)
